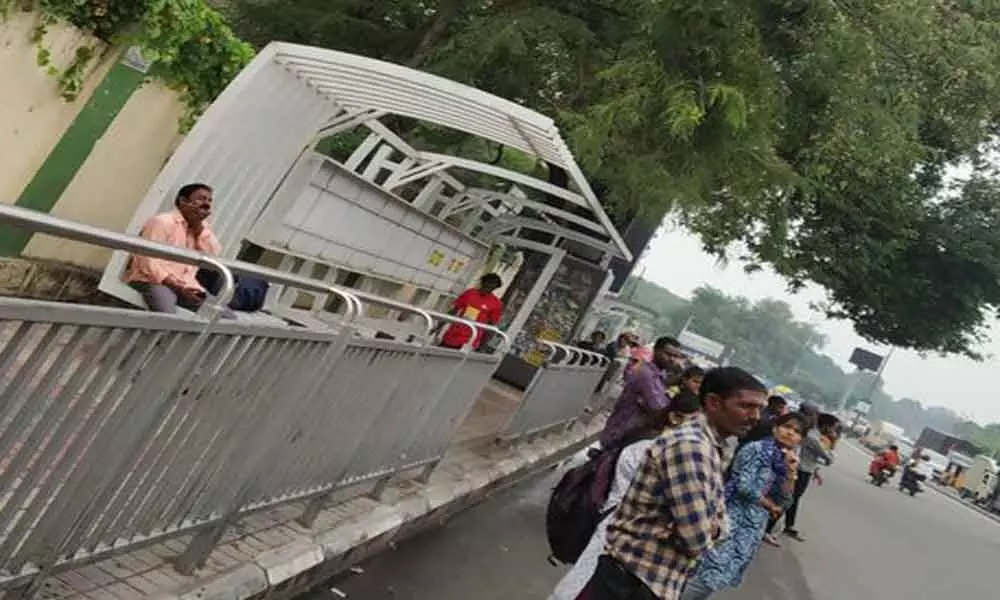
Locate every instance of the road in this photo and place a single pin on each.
(863, 543)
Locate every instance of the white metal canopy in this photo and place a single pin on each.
(251, 142)
(365, 89)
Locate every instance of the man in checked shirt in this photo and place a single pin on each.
(675, 509)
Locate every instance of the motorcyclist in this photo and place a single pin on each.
(887, 460)
(917, 470)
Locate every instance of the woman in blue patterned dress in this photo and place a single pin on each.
(760, 481)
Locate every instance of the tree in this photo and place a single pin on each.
(762, 336)
(811, 135)
(816, 136)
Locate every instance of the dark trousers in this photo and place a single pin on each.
(612, 581)
(801, 485)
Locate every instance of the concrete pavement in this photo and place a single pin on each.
(864, 543)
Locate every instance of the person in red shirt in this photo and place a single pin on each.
(474, 304)
(887, 459)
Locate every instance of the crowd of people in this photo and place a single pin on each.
(708, 464)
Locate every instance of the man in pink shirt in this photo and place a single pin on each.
(165, 285)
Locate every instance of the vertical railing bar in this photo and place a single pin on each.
(89, 430)
(26, 471)
(225, 468)
(315, 401)
(303, 472)
(116, 493)
(289, 470)
(405, 449)
(346, 379)
(158, 465)
(21, 381)
(375, 407)
(368, 457)
(254, 355)
(255, 477)
(203, 489)
(197, 439)
(373, 401)
(125, 508)
(23, 420)
(12, 349)
(15, 468)
(197, 552)
(111, 443)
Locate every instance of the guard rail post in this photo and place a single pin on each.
(37, 222)
(316, 505)
(425, 475)
(543, 407)
(196, 554)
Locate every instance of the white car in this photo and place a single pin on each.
(939, 463)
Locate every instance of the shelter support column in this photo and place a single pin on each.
(556, 256)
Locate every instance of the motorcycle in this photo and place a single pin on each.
(881, 477)
(911, 482)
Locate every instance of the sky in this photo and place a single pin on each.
(675, 261)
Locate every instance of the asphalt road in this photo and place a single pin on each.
(864, 543)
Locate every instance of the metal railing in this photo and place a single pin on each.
(120, 427)
(559, 393)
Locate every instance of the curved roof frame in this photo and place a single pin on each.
(364, 90)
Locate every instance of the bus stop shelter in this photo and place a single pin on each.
(390, 210)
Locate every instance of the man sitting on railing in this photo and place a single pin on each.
(164, 284)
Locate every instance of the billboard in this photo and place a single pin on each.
(865, 360)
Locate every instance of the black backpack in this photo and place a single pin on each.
(575, 508)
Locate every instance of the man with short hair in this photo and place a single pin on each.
(164, 284)
(675, 509)
(645, 391)
(595, 343)
(477, 304)
(776, 407)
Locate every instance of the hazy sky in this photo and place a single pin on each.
(675, 261)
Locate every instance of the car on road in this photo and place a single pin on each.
(938, 461)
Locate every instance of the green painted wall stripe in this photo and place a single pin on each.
(76, 144)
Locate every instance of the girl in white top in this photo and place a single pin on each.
(628, 464)
(629, 461)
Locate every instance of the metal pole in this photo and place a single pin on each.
(878, 374)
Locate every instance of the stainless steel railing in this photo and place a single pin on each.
(559, 393)
(122, 426)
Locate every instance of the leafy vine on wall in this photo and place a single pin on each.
(189, 45)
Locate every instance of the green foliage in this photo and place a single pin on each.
(190, 46)
(192, 49)
(812, 136)
(669, 308)
(769, 341)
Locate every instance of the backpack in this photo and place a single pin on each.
(576, 506)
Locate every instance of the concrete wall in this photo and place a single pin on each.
(107, 189)
(33, 116)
